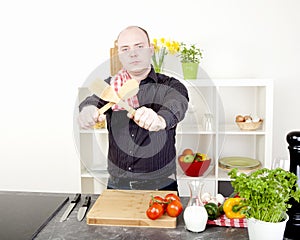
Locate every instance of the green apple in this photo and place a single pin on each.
(189, 158)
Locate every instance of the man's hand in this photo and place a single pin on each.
(89, 116)
(149, 120)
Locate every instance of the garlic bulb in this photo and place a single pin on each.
(255, 119)
(205, 197)
(220, 198)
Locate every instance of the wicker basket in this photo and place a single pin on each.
(249, 126)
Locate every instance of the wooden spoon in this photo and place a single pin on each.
(128, 89)
(103, 90)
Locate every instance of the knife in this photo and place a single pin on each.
(70, 207)
(83, 209)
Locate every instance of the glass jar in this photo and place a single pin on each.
(195, 215)
(208, 121)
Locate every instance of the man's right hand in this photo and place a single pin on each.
(89, 116)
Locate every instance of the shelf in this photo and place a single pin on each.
(94, 174)
(224, 129)
(192, 129)
(102, 130)
(223, 175)
(235, 130)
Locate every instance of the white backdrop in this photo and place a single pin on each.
(48, 49)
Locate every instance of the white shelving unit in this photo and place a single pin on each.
(92, 147)
(224, 99)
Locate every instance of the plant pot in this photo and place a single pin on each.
(190, 70)
(258, 230)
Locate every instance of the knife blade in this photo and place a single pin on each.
(70, 207)
(83, 209)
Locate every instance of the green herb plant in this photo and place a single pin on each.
(266, 192)
(189, 54)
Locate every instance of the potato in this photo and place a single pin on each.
(239, 118)
(247, 117)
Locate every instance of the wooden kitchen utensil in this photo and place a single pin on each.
(107, 93)
(128, 89)
(127, 208)
(110, 95)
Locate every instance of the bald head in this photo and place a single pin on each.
(142, 30)
(135, 50)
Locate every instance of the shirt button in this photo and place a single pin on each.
(130, 152)
(129, 168)
(132, 135)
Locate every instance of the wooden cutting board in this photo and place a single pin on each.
(127, 208)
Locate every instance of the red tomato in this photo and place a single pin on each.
(159, 200)
(174, 208)
(171, 197)
(155, 211)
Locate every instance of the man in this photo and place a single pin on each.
(142, 152)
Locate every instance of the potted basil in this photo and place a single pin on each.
(190, 58)
(266, 194)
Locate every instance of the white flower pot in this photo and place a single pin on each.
(258, 230)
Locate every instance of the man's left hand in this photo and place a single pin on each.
(149, 120)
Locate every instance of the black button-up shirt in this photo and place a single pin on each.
(134, 151)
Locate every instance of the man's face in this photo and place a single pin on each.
(134, 50)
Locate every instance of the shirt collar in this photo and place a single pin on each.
(151, 76)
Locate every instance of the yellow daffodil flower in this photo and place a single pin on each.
(162, 48)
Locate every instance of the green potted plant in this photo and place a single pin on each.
(266, 194)
(190, 57)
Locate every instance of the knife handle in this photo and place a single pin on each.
(76, 198)
(87, 201)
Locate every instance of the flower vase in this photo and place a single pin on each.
(158, 68)
(195, 215)
(158, 59)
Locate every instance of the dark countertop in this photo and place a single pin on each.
(73, 229)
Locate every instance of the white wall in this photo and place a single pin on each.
(48, 49)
